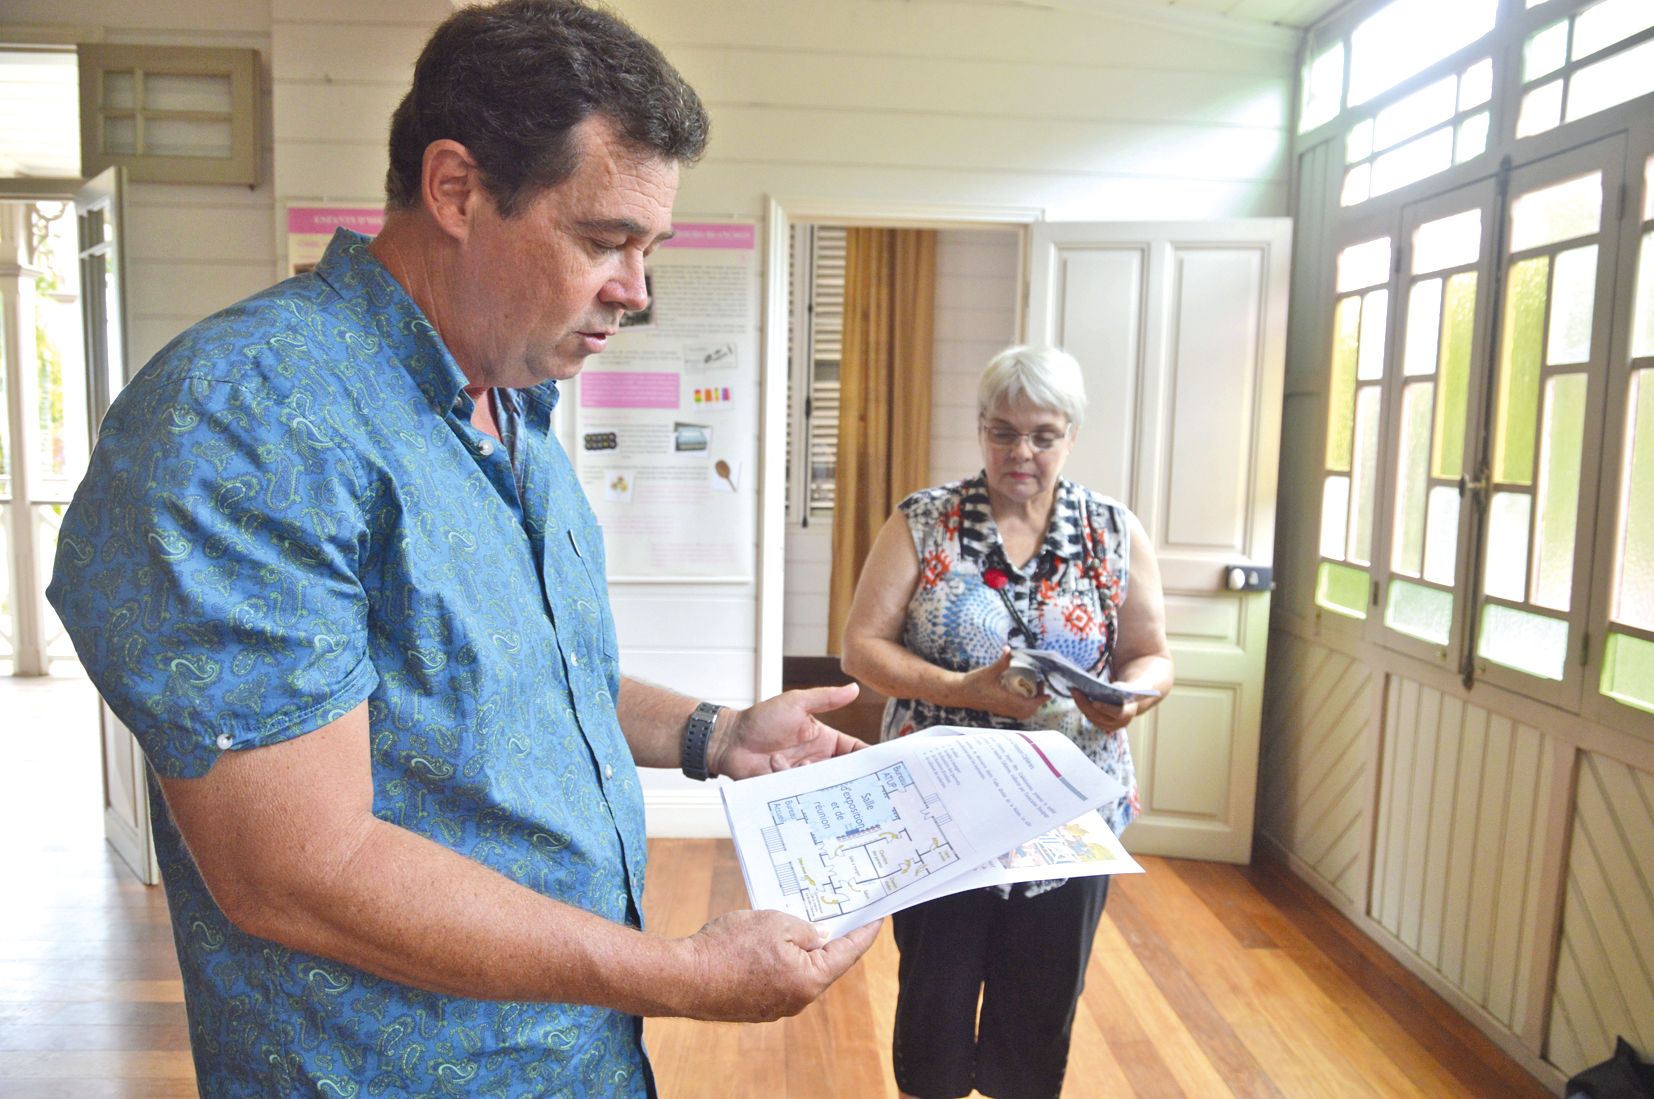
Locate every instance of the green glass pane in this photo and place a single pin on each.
(1628, 671)
(1634, 595)
(1420, 612)
(1346, 341)
(1528, 642)
(1642, 313)
(1564, 438)
(1364, 478)
(1516, 414)
(1341, 589)
(1458, 323)
(1412, 479)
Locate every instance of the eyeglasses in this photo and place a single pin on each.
(1043, 439)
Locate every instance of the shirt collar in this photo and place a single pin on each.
(355, 273)
(979, 536)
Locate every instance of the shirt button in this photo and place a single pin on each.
(225, 741)
(574, 658)
(485, 446)
(608, 770)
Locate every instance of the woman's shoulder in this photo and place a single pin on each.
(1100, 505)
(937, 497)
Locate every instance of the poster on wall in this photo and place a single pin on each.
(666, 418)
(309, 228)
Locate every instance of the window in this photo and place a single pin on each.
(1628, 660)
(1423, 133)
(815, 340)
(1566, 75)
(1388, 47)
(1354, 406)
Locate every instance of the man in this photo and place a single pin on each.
(333, 570)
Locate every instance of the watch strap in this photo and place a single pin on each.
(697, 737)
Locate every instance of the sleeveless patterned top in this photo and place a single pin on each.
(1068, 595)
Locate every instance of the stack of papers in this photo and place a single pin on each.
(851, 839)
(1065, 677)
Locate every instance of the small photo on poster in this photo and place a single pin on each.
(710, 397)
(724, 476)
(618, 485)
(699, 357)
(691, 438)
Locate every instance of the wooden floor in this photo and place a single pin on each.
(1208, 980)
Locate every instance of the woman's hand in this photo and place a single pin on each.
(1110, 719)
(982, 690)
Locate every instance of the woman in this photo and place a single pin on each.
(1015, 557)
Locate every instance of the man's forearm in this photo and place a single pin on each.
(653, 719)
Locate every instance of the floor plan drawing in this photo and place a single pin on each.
(844, 846)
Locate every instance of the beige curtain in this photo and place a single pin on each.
(884, 395)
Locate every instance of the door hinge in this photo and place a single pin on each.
(1585, 647)
(1375, 593)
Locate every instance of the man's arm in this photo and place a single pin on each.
(772, 735)
(286, 840)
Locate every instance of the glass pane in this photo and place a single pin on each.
(1611, 21)
(1424, 318)
(187, 92)
(1447, 454)
(1430, 106)
(1472, 138)
(5, 425)
(1572, 208)
(1507, 546)
(1642, 313)
(1541, 110)
(119, 90)
(54, 639)
(1553, 573)
(1628, 671)
(1358, 143)
(1573, 289)
(1323, 85)
(1518, 406)
(1421, 157)
(1527, 642)
(1634, 590)
(1346, 332)
(1476, 86)
(1407, 549)
(1375, 309)
(1611, 81)
(1358, 183)
(1364, 477)
(1545, 51)
(1341, 589)
(8, 613)
(120, 136)
(186, 137)
(1421, 612)
(1388, 48)
(1363, 265)
(1335, 516)
(1441, 535)
(1447, 242)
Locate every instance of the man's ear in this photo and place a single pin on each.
(450, 187)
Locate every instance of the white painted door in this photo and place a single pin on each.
(98, 206)
(1181, 329)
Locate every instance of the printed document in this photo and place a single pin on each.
(848, 840)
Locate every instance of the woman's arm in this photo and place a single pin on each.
(1142, 656)
(873, 649)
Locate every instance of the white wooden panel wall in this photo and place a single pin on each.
(808, 578)
(1605, 968)
(1457, 853)
(191, 249)
(1317, 725)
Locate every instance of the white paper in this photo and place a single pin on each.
(1084, 847)
(848, 840)
(1054, 666)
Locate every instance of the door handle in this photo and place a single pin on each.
(1249, 577)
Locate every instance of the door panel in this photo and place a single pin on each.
(99, 209)
(1181, 331)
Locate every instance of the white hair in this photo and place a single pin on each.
(1045, 377)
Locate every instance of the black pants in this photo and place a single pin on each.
(1027, 957)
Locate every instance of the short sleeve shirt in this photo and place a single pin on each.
(289, 514)
(1067, 597)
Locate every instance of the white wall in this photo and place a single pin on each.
(191, 250)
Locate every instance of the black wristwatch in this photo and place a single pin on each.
(697, 736)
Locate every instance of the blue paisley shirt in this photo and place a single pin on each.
(1067, 596)
(289, 514)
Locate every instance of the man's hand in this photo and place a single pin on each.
(780, 733)
(755, 967)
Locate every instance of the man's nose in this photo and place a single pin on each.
(630, 287)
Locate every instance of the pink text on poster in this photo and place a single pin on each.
(366, 220)
(629, 389)
(698, 234)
